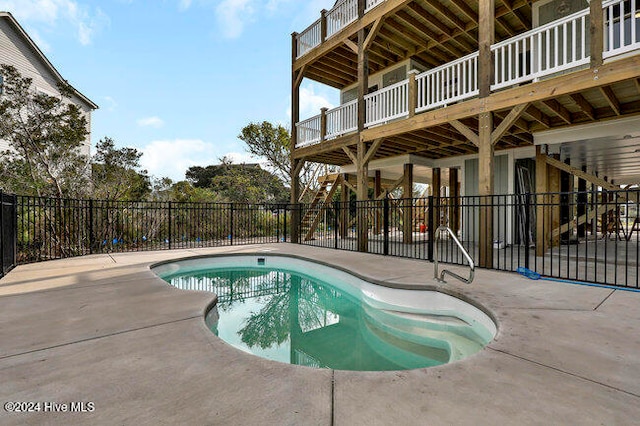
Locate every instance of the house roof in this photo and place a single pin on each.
(8, 16)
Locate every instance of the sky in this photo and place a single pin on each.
(177, 79)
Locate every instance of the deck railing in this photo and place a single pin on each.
(558, 46)
(342, 14)
(551, 48)
(387, 104)
(622, 26)
(309, 131)
(342, 120)
(448, 83)
(309, 38)
(371, 4)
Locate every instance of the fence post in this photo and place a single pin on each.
(277, 223)
(170, 221)
(527, 228)
(231, 224)
(431, 227)
(385, 225)
(2, 235)
(284, 231)
(14, 240)
(336, 210)
(91, 236)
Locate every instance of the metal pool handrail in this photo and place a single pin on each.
(472, 266)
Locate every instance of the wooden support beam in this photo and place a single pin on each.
(508, 121)
(353, 157)
(373, 32)
(611, 98)
(486, 36)
(351, 45)
(466, 132)
(542, 227)
(596, 31)
(372, 150)
(558, 110)
(486, 187)
(454, 200)
(584, 105)
(580, 174)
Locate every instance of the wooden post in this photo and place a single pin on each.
(323, 124)
(436, 184)
(543, 230)
(486, 27)
(486, 35)
(295, 169)
(362, 184)
(485, 188)
(553, 184)
(407, 208)
(596, 31)
(413, 92)
(454, 194)
(582, 204)
(376, 193)
(323, 25)
(566, 215)
(345, 192)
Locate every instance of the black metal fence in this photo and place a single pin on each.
(585, 236)
(582, 236)
(8, 242)
(57, 228)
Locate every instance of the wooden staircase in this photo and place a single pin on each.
(328, 186)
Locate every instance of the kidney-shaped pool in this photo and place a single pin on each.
(301, 312)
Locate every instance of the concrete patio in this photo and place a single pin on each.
(105, 329)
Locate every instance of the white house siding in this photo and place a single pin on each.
(16, 51)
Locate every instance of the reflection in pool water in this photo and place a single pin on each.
(291, 317)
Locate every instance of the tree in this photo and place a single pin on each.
(240, 183)
(45, 134)
(115, 173)
(271, 143)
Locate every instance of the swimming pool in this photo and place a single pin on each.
(301, 312)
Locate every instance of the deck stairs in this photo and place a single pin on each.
(321, 200)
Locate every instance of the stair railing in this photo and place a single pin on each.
(440, 278)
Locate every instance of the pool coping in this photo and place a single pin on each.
(105, 328)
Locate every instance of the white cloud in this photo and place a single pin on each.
(172, 158)
(241, 157)
(233, 15)
(151, 122)
(69, 13)
(184, 4)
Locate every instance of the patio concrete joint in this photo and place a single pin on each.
(577, 376)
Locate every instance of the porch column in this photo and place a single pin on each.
(362, 185)
(543, 228)
(454, 206)
(377, 192)
(596, 29)
(296, 165)
(485, 188)
(582, 204)
(553, 182)
(566, 186)
(486, 35)
(407, 208)
(436, 184)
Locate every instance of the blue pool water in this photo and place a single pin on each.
(299, 312)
